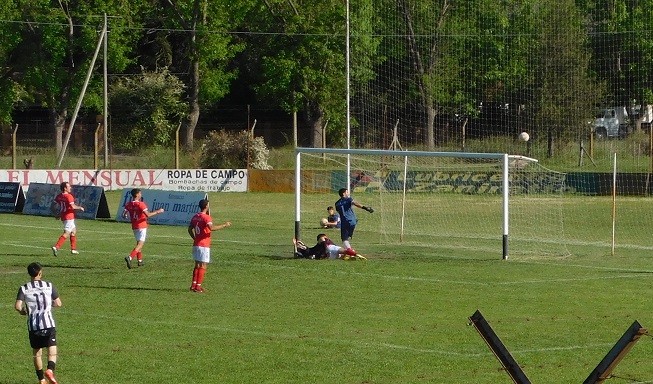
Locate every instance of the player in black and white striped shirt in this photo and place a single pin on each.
(35, 300)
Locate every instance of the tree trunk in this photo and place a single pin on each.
(318, 130)
(58, 123)
(315, 120)
(199, 17)
(193, 106)
(430, 127)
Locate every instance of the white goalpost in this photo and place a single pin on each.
(450, 200)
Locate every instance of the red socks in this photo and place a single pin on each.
(198, 277)
(60, 242)
(350, 252)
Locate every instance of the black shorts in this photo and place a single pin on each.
(346, 231)
(43, 338)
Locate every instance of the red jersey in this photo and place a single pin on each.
(65, 201)
(200, 223)
(136, 210)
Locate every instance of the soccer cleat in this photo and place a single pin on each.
(359, 256)
(74, 252)
(140, 263)
(128, 260)
(54, 251)
(199, 289)
(42, 381)
(49, 374)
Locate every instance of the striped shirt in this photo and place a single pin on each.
(38, 296)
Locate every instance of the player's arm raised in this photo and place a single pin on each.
(155, 212)
(221, 226)
(365, 207)
(77, 207)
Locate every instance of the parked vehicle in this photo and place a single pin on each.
(643, 116)
(611, 122)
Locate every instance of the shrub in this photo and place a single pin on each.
(146, 109)
(222, 149)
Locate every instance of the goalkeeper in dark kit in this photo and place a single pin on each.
(348, 218)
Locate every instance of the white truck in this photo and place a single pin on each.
(611, 122)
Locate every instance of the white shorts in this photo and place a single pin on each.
(332, 251)
(140, 234)
(202, 254)
(69, 225)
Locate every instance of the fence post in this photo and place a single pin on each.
(13, 147)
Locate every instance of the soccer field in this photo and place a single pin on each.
(400, 317)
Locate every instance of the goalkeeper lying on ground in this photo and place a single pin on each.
(324, 249)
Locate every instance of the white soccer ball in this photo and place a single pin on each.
(524, 136)
(324, 222)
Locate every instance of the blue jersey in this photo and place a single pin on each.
(335, 218)
(346, 211)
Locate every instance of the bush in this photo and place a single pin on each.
(222, 149)
(146, 109)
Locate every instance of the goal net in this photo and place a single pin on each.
(493, 205)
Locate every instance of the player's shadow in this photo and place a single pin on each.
(113, 287)
(75, 267)
(279, 257)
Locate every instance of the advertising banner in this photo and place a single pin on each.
(179, 207)
(204, 180)
(12, 198)
(40, 196)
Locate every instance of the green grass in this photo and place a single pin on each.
(400, 317)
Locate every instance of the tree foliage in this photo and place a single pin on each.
(54, 51)
(192, 38)
(146, 110)
(554, 60)
(564, 91)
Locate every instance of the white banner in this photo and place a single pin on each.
(182, 180)
(178, 207)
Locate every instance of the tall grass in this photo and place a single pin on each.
(632, 152)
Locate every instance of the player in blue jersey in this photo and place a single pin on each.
(35, 300)
(331, 221)
(348, 219)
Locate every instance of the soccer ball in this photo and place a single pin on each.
(324, 222)
(524, 136)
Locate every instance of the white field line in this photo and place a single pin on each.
(625, 273)
(219, 259)
(321, 340)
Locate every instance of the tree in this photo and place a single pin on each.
(300, 53)
(146, 109)
(564, 92)
(10, 90)
(302, 68)
(453, 56)
(55, 50)
(193, 38)
(622, 43)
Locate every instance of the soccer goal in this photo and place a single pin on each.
(441, 200)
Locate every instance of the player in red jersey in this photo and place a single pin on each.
(200, 228)
(138, 214)
(66, 207)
